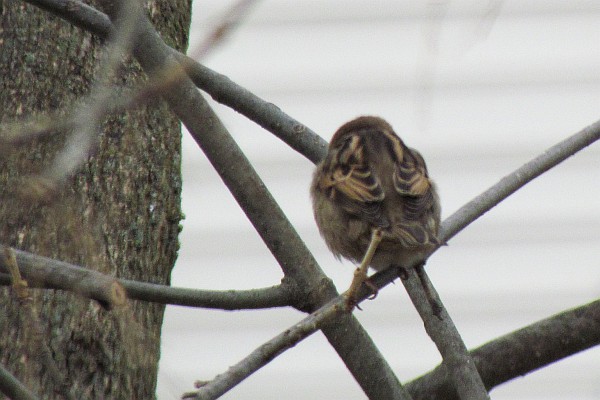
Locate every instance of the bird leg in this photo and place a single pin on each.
(360, 275)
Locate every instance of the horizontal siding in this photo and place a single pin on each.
(479, 88)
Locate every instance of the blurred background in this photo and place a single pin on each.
(479, 87)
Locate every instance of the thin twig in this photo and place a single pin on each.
(79, 14)
(230, 20)
(17, 281)
(265, 353)
(20, 132)
(84, 122)
(517, 179)
(267, 115)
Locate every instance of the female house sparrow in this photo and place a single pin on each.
(373, 199)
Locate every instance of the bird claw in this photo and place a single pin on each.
(351, 300)
(374, 289)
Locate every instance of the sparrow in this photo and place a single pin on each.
(373, 200)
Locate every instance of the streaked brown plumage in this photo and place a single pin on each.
(371, 181)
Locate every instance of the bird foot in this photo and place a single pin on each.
(352, 292)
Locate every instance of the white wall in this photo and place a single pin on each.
(479, 88)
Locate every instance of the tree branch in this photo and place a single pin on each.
(267, 115)
(553, 155)
(517, 179)
(441, 329)
(274, 296)
(230, 20)
(221, 88)
(330, 313)
(520, 352)
(46, 273)
(443, 332)
(498, 361)
(266, 216)
(268, 351)
(458, 364)
(78, 14)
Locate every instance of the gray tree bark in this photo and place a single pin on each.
(119, 215)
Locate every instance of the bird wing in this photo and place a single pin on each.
(412, 182)
(357, 189)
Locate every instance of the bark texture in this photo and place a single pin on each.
(120, 214)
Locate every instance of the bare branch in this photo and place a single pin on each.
(13, 388)
(230, 20)
(268, 351)
(221, 88)
(459, 365)
(19, 132)
(274, 296)
(443, 332)
(330, 313)
(46, 273)
(84, 122)
(517, 179)
(80, 143)
(79, 14)
(228, 160)
(520, 352)
(441, 329)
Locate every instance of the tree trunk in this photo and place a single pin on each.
(119, 215)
